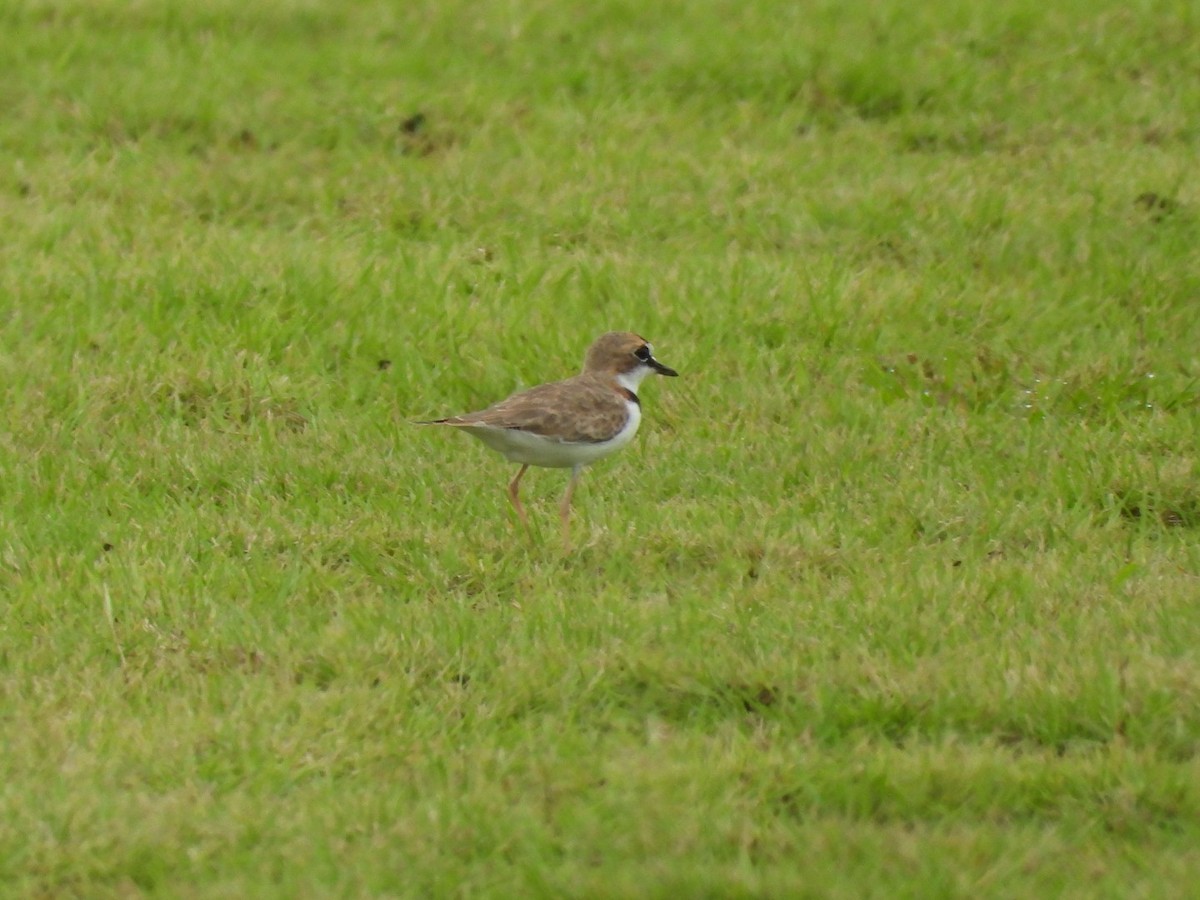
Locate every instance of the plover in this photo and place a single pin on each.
(569, 424)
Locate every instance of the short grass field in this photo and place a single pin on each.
(896, 594)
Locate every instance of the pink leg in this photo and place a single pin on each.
(513, 488)
(564, 509)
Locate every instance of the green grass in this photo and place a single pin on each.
(893, 596)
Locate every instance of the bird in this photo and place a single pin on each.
(568, 424)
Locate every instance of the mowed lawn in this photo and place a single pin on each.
(895, 594)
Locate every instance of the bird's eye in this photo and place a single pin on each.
(642, 352)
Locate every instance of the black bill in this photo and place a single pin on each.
(660, 368)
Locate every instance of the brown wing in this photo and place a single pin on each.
(579, 410)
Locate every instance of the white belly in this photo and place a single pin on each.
(534, 450)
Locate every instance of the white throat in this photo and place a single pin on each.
(631, 379)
